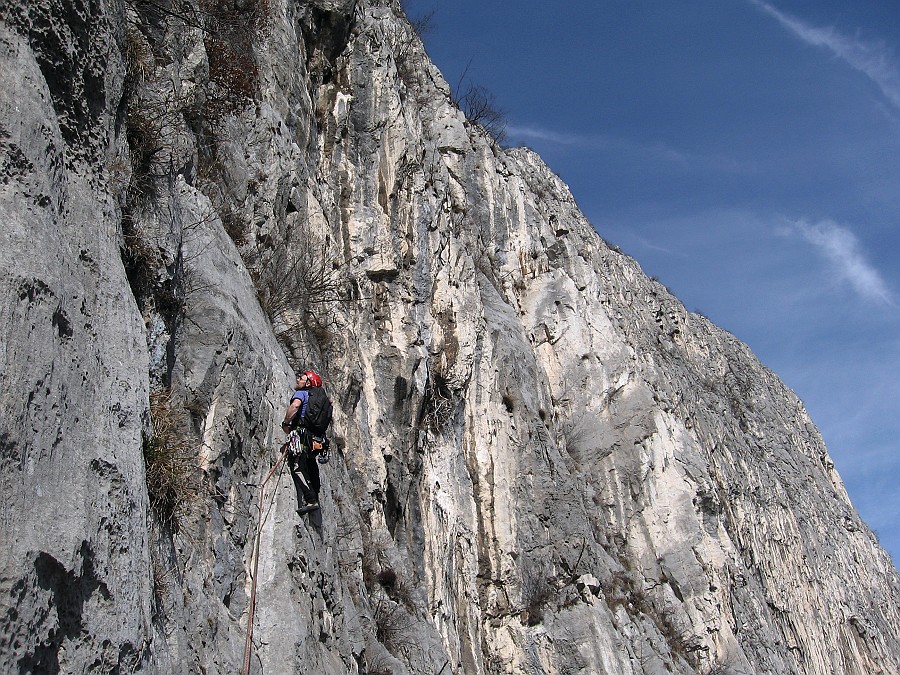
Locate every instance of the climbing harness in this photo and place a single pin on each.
(302, 441)
(248, 649)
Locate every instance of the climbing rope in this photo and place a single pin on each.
(248, 649)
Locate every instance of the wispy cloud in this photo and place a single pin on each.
(656, 153)
(596, 142)
(538, 134)
(842, 248)
(874, 59)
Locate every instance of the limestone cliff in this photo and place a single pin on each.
(542, 463)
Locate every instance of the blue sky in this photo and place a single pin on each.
(747, 154)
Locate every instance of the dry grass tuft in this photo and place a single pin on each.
(537, 593)
(173, 478)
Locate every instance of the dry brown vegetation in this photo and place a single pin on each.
(298, 283)
(170, 454)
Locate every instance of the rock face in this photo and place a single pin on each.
(542, 463)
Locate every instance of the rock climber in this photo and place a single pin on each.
(306, 421)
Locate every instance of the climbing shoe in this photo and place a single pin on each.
(306, 508)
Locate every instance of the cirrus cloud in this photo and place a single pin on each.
(874, 59)
(842, 248)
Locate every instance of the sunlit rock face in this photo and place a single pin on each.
(542, 463)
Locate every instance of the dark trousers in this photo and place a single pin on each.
(305, 474)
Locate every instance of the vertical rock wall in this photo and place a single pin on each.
(74, 556)
(542, 463)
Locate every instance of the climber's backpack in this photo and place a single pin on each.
(318, 412)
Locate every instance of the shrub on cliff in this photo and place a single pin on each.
(233, 32)
(537, 593)
(299, 283)
(173, 483)
(422, 24)
(480, 107)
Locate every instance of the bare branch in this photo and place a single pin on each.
(480, 107)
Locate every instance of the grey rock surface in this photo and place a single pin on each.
(541, 463)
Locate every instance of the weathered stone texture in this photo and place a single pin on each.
(542, 462)
(73, 516)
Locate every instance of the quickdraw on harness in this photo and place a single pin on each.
(295, 443)
(301, 441)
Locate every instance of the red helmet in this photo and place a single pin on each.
(313, 378)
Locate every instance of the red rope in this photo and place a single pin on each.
(248, 649)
